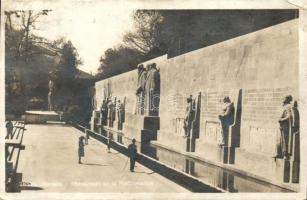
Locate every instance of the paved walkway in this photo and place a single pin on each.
(50, 163)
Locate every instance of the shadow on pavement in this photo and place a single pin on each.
(185, 181)
(93, 164)
(30, 188)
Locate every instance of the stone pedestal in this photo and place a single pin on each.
(39, 117)
(264, 165)
(142, 128)
(215, 152)
(95, 119)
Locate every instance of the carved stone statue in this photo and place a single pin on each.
(189, 117)
(227, 119)
(152, 90)
(120, 114)
(51, 95)
(93, 98)
(140, 91)
(111, 112)
(110, 108)
(104, 112)
(285, 122)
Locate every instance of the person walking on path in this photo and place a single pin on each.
(132, 154)
(81, 148)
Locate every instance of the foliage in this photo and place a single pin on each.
(118, 60)
(63, 75)
(148, 40)
(21, 47)
(147, 33)
(29, 59)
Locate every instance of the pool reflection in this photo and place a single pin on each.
(210, 174)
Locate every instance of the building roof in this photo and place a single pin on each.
(54, 52)
(83, 75)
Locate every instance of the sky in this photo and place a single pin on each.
(93, 26)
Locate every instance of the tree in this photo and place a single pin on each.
(147, 33)
(20, 47)
(146, 41)
(64, 73)
(19, 37)
(118, 60)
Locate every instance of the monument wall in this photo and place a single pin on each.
(255, 70)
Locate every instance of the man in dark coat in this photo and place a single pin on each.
(132, 149)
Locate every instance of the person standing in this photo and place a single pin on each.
(132, 149)
(81, 148)
(9, 129)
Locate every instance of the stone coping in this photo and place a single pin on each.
(231, 167)
(41, 112)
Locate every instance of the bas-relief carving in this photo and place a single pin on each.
(179, 126)
(255, 142)
(212, 132)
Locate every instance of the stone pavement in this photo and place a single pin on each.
(49, 163)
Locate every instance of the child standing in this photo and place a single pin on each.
(81, 148)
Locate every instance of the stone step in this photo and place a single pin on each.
(143, 122)
(136, 120)
(152, 123)
(276, 169)
(139, 134)
(212, 151)
(172, 140)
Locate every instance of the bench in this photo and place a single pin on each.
(13, 146)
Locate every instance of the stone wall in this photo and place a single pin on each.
(255, 70)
